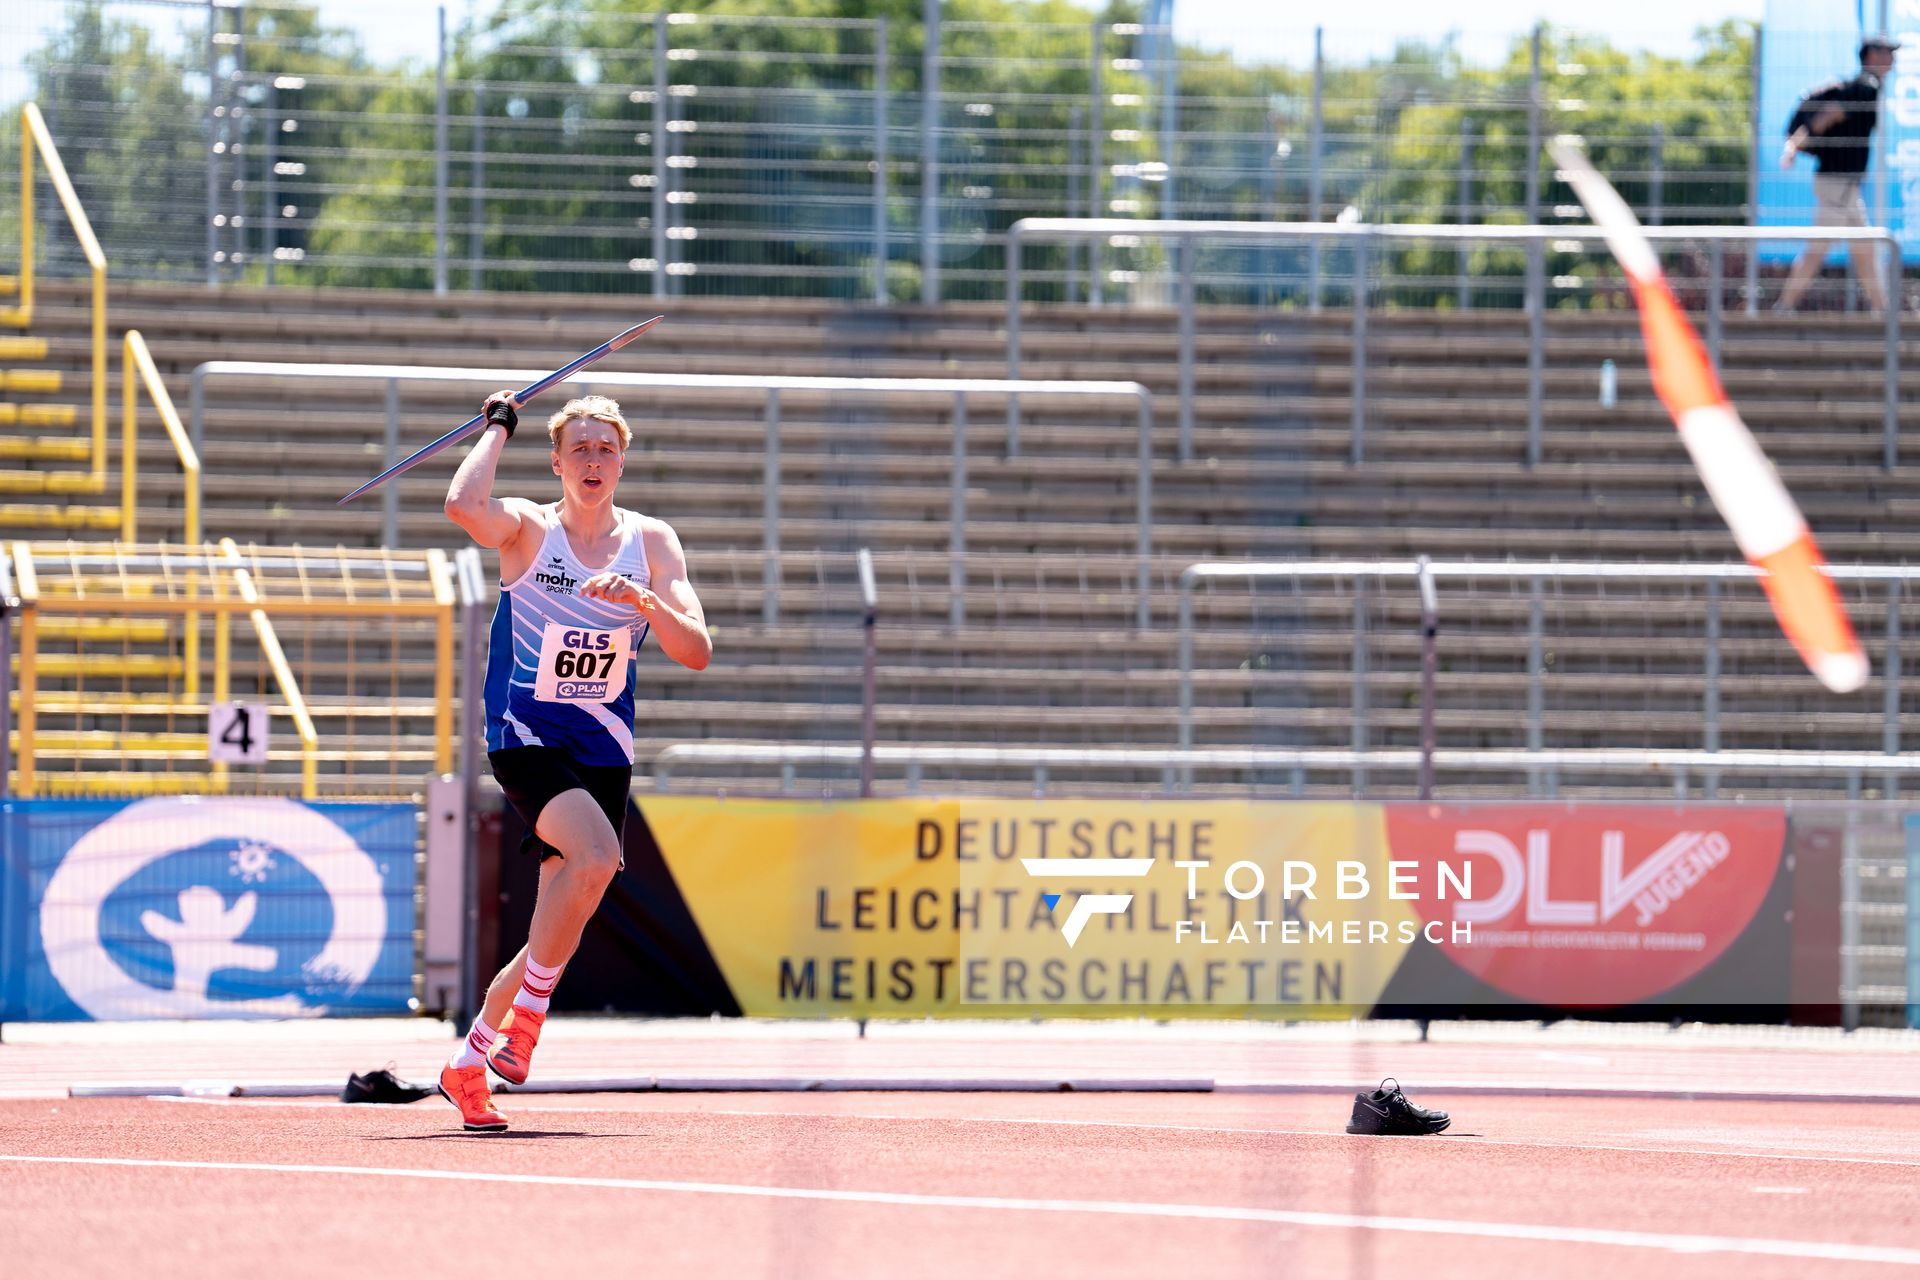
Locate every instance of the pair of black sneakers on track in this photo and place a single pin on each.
(1386, 1112)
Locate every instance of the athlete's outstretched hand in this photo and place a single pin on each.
(617, 588)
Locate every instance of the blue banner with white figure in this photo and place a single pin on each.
(1804, 44)
(204, 907)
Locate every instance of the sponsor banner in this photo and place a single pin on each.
(205, 907)
(1598, 906)
(1015, 907)
(813, 908)
(1226, 906)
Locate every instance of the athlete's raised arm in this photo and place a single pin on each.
(490, 521)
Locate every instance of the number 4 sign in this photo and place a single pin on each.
(237, 732)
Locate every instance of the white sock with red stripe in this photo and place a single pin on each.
(474, 1049)
(536, 988)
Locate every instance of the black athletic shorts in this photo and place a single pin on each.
(532, 776)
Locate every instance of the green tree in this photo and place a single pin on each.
(129, 109)
(1616, 101)
(128, 128)
(769, 117)
(306, 105)
(325, 161)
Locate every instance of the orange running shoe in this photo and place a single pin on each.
(466, 1088)
(513, 1057)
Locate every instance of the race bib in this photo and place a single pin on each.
(580, 664)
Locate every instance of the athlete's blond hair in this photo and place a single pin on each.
(598, 408)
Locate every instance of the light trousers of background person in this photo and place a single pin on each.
(1837, 204)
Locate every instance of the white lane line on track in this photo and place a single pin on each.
(1675, 1243)
(1448, 1140)
(1110, 1208)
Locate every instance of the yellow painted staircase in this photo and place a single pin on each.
(36, 498)
(113, 689)
(31, 391)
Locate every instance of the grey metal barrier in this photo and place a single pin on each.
(1176, 765)
(1429, 575)
(959, 389)
(1187, 234)
(470, 576)
(1879, 914)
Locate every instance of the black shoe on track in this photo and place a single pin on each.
(1386, 1111)
(383, 1086)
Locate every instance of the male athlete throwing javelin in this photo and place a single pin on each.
(582, 583)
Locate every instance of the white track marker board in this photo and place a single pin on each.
(237, 732)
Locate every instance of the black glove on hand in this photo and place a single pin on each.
(501, 413)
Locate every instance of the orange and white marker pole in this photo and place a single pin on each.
(1766, 524)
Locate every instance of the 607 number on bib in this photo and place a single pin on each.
(587, 666)
(582, 664)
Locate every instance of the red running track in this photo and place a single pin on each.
(869, 1185)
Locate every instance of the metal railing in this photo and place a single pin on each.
(1879, 881)
(844, 158)
(1177, 765)
(25, 604)
(961, 390)
(1359, 237)
(35, 139)
(36, 606)
(1893, 762)
(229, 560)
(136, 371)
(113, 608)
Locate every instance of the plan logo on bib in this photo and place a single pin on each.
(187, 907)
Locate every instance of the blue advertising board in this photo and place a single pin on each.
(204, 907)
(1805, 43)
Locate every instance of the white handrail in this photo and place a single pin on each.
(1512, 570)
(683, 381)
(1177, 765)
(1472, 760)
(960, 389)
(1361, 235)
(1521, 569)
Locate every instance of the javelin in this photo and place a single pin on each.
(466, 428)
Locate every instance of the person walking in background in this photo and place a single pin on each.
(1834, 124)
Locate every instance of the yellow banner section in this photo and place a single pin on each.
(987, 907)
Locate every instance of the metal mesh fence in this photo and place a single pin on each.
(1536, 659)
(132, 660)
(1557, 684)
(699, 153)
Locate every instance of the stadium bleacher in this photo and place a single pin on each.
(1049, 654)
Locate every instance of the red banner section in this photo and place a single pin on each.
(1591, 906)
